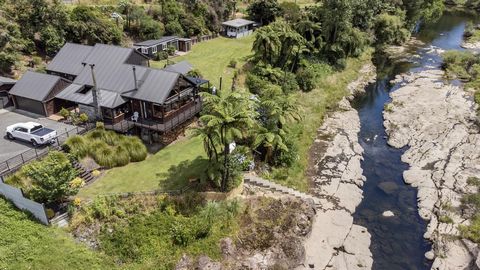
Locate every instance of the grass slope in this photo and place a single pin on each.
(25, 244)
(212, 58)
(168, 169)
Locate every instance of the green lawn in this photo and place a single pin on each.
(170, 168)
(212, 58)
(26, 244)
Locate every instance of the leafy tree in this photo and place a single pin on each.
(275, 110)
(389, 29)
(291, 11)
(88, 25)
(51, 40)
(264, 11)
(52, 178)
(266, 44)
(174, 28)
(227, 117)
(150, 29)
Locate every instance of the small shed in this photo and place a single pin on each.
(35, 92)
(238, 28)
(151, 47)
(184, 44)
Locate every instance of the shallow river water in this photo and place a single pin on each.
(397, 243)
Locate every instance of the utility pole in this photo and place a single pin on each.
(97, 99)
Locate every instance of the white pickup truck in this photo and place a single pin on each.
(31, 132)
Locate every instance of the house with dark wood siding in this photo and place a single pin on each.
(115, 84)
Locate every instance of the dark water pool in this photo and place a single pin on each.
(397, 243)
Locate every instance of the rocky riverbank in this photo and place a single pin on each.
(437, 122)
(335, 242)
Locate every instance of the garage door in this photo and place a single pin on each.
(30, 105)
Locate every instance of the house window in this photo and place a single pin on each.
(164, 46)
(144, 50)
(154, 49)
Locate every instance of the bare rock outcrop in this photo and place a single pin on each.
(437, 122)
(335, 242)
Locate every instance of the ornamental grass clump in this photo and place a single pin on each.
(104, 156)
(77, 146)
(136, 149)
(122, 156)
(108, 148)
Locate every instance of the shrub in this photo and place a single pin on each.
(287, 158)
(83, 117)
(96, 173)
(50, 213)
(100, 125)
(306, 78)
(37, 60)
(161, 55)
(65, 113)
(255, 83)
(195, 73)
(233, 63)
(50, 178)
(171, 50)
(477, 97)
(289, 83)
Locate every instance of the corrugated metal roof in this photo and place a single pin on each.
(5, 80)
(238, 23)
(108, 99)
(70, 58)
(156, 87)
(153, 42)
(181, 67)
(110, 71)
(35, 85)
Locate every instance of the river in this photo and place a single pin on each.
(397, 242)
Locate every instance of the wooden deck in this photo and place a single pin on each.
(127, 124)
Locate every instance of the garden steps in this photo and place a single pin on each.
(82, 172)
(257, 181)
(60, 221)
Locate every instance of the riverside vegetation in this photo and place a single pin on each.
(302, 61)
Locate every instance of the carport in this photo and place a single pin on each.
(35, 92)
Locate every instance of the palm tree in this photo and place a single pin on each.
(271, 140)
(266, 44)
(227, 117)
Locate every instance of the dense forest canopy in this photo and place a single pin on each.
(42, 26)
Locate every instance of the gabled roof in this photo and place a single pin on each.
(181, 67)
(36, 86)
(6, 81)
(74, 93)
(110, 71)
(156, 86)
(153, 42)
(238, 23)
(70, 58)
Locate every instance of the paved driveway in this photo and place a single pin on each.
(9, 149)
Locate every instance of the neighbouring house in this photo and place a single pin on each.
(5, 85)
(238, 28)
(35, 92)
(115, 83)
(151, 47)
